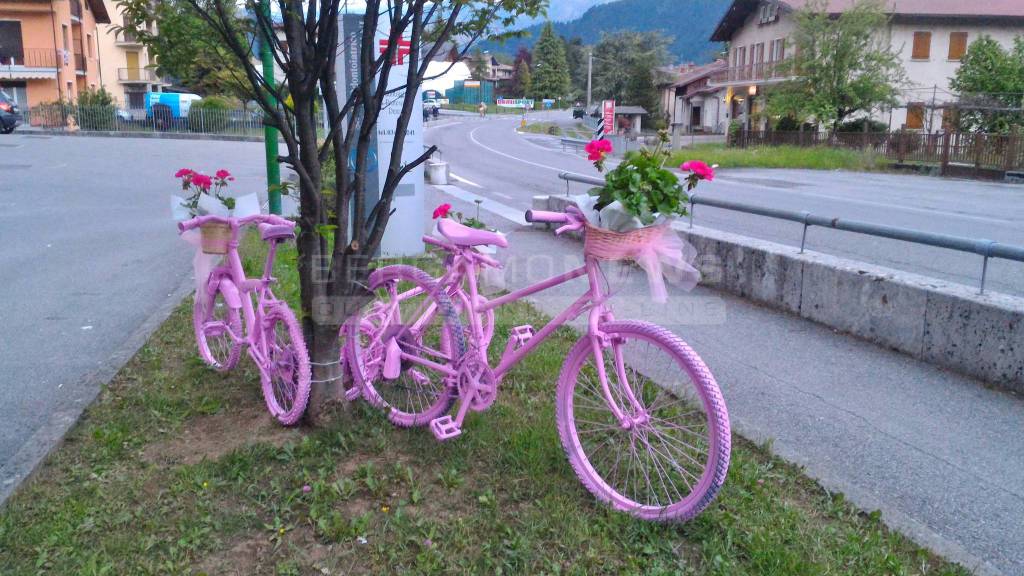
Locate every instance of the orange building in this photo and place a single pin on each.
(49, 50)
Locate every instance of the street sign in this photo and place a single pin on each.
(515, 103)
(609, 116)
(408, 205)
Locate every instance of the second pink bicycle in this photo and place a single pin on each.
(640, 416)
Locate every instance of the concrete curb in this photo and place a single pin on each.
(939, 322)
(156, 135)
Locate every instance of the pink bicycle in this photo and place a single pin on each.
(273, 337)
(640, 416)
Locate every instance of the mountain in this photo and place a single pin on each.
(688, 22)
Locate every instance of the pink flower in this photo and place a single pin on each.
(223, 174)
(597, 149)
(307, 489)
(202, 181)
(442, 211)
(184, 173)
(702, 170)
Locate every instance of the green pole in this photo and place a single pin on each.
(269, 132)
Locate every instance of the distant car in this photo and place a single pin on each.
(123, 115)
(578, 113)
(430, 103)
(10, 118)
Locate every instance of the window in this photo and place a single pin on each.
(64, 36)
(88, 43)
(922, 46)
(778, 51)
(915, 116)
(957, 45)
(10, 43)
(769, 12)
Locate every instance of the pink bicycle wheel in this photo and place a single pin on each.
(425, 324)
(672, 459)
(214, 322)
(284, 374)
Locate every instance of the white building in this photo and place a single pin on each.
(931, 36)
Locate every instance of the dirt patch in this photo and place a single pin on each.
(210, 437)
(254, 553)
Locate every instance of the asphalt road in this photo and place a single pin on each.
(511, 167)
(90, 264)
(930, 449)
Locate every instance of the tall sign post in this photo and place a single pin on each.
(609, 117)
(269, 132)
(404, 233)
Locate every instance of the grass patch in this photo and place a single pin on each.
(549, 128)
(179, 470)
(814, 158)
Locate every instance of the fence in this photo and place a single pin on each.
(236, 122)
(980, 246)
(1001, 152)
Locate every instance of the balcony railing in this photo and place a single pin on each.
(759, 72)
(30, 58)
(141, 75)
(125, 37)
(76, 9)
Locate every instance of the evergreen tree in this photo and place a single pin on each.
(576, 57)
(550, 71)
(522, 81)
(480, 65)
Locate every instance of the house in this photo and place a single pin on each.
(49, 50)
(128, 69)
(691, 104)
(931, 36)
(628, 120)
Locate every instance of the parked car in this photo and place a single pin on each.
(10, 118)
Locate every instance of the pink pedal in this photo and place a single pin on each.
(445, 428)
(522, 334)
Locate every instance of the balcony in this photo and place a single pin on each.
(138, 76)
(127, 39)
(29, 64)
(76, 9)
(760, 73)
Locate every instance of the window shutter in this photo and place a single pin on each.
(922, 45)
(915, 116)
(957, 45)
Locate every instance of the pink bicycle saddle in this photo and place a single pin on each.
(276, 232)
(461, 235)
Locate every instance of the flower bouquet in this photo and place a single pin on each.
(206, 195)
(635, 209)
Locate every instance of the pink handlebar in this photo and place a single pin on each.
(255, 219)
(572, 218)
(548, 217)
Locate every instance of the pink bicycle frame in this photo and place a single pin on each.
(231, 280)
(463, 266)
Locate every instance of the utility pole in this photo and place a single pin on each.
(590, 75)
(269, 132)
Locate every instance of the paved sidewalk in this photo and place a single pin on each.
(937, 453)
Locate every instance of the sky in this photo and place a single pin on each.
(558, 10)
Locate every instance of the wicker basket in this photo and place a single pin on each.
(215, 237)
(610, 245)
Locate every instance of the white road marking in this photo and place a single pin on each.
(516, 215)
(505, 196)
(464, 181)
(429, 126)
(472, 137)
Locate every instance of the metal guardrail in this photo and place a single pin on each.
(574, 143)
(980, 246)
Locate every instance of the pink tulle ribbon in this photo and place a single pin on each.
(202, 263)
(662, 254)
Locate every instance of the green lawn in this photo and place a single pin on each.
(178, 470)
(818, 158)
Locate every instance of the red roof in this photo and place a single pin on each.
(983, 10)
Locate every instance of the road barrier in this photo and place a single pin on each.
(935, 321)
(980, 246)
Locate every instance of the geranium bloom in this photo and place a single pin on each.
(202, 181)
(223, 174)
(184, 173)
(702, 170)
(442, 211)
(597, 149)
